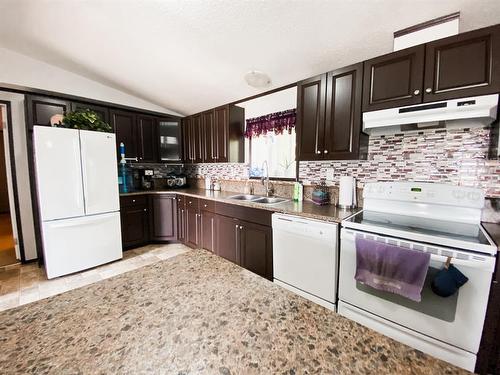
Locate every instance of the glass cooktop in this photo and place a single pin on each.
(430, 228)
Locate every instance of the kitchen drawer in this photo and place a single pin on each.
(192, 203)
(207, 205)
(253, 215)
(133, 200)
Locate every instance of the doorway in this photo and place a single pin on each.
(8, 254)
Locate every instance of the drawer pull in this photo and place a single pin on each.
(133, 200)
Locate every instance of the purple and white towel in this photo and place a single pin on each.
(391, 268)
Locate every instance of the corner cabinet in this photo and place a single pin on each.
(329, 116)
(458, 66)
(163, 217)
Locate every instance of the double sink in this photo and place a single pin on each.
(258, 199)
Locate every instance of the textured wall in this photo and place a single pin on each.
(454, 156)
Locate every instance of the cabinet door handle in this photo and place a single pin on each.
(145, 210)
(428, 90)
(205, 205)
(325, 152)
(416, 92)
(133, 200)
(241, 227)
(318, 152)
(236, 226)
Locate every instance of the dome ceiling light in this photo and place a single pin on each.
(257, 79)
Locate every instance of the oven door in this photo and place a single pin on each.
(457, 320)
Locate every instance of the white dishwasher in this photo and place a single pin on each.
(305, 257)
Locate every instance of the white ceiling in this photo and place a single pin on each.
(188, 56)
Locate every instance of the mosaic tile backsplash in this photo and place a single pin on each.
(453, 156)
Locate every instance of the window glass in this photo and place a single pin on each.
(279, 152)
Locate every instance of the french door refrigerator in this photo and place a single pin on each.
(77, 186)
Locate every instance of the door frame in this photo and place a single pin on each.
(17, 230)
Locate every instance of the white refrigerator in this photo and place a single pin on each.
(77, 186)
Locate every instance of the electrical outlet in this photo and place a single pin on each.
(329, 174)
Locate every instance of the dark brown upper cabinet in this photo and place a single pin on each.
(394, 80)
(209, 137)
(311, 99)
(329, 116)
(463, 65)
(163, 218)
(41, 109)
(147, 139)
(221, 116)
(125, 128)
(102, 112)
(343, 138)
(196, 138)
(215, 136)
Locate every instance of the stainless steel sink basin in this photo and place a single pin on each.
(269, 200)
(245, 197)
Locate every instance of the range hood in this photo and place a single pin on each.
(421, 116)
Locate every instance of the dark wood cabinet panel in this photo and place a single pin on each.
(209, 137)
(311, 97)
(134, 225)
(124, 125)
(235, 144)
(394, 80)
(41, 109)
(163, 218)
(147, 139)
(256, 251)
(181, 218)
(192, 218)
(208, 230)
(196, 135)
(343, 114)
(102, 112)
(228, 238)
(187, 149)
(221, 118)
(463, 65)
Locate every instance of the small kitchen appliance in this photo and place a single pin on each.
(440, 220)
(146, 179)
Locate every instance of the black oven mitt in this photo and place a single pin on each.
(447, 281)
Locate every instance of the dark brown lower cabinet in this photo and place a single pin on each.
(192, 218)
(208, 230)
(256, 248)
(134, 215)
(181, 219)
(163, 217)
(228, 237)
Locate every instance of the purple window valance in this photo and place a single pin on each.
(276, 122)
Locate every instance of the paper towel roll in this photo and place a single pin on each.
(347, 191)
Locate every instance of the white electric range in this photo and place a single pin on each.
(438, 219)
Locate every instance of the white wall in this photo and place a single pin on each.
(22, 70)
(22, 173)
(278, 101)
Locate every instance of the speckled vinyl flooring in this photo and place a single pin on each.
(24, 283)
(195, 313)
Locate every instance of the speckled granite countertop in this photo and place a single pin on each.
(305, 208)
(195, 314)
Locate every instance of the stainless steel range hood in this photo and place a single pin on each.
(388, 121)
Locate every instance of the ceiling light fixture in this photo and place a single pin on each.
(257, 79)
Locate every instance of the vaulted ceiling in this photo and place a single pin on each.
(188, 56)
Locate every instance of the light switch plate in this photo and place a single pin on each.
(329, 174)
